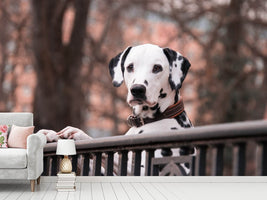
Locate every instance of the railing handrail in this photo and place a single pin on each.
(202, 133)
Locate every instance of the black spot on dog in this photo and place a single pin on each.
(176, 98)
(116, 84)
(155, 107)
(146, 83)
(133, 80)
(181, 119)
(187, 165)
(141, 131)
(185, 66)
(171, 82)
(180, 57)
(166, 152)
(175, 65)
(174, 128)
(187, 125)
(170, 54)
(162, 95)
(113, 63)
(180, 123)
(145, 108)
(157, 113)
(124, 58)
(186, 151)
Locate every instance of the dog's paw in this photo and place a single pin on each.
(73, 133)
(51, 135)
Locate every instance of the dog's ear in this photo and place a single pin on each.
(116, 67)
(179, 66)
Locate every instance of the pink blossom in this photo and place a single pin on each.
(3, 128)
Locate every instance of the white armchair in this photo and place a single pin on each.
(16, 163)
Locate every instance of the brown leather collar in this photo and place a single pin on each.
(171, 112)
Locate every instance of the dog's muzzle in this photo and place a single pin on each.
(138, 91)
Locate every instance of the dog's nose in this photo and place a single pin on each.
(138, 91)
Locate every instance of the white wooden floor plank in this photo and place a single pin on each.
(131, 192)
(170, 195)
(153, 191)
(62, 196)
(97, 192)
(40, 191)
(119, 191)
(86, 191)
(144, 194)
(51, 191)
(108, 191)
(5, 190)
(26, 195)
(179, 189)
(75, 195)
(17, 192)
(219, 191)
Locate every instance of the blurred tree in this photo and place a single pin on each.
(232, 35)
(13, 22)
(71, 62)
(59, 96)
(3, 57)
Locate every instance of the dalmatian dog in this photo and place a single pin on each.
(153, 77)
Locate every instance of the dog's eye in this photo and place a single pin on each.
(130, 68)
(157, 69)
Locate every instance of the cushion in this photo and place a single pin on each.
(13, 158)
(3, 136)
(18, 136)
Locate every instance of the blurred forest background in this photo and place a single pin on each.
(54, 58)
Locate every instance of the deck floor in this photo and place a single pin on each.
(140, 188)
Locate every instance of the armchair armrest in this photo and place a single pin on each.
(35, 145)
(35, 141)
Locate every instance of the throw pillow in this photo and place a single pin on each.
(3, 136)
(18, 136)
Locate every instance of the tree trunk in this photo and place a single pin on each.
(59, 98)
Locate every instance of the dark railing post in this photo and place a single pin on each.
(97, 163)
(109, 163)
(123, 159)
(55, 165)
(136, 163)
(261, 157)
(46, 166)
(217, 160)
(239, 159)
(200, 164)
(74, 165)
(149, 155)
(85, 164)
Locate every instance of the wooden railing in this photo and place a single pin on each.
(224, 149)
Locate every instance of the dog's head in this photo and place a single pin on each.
(150, 73)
